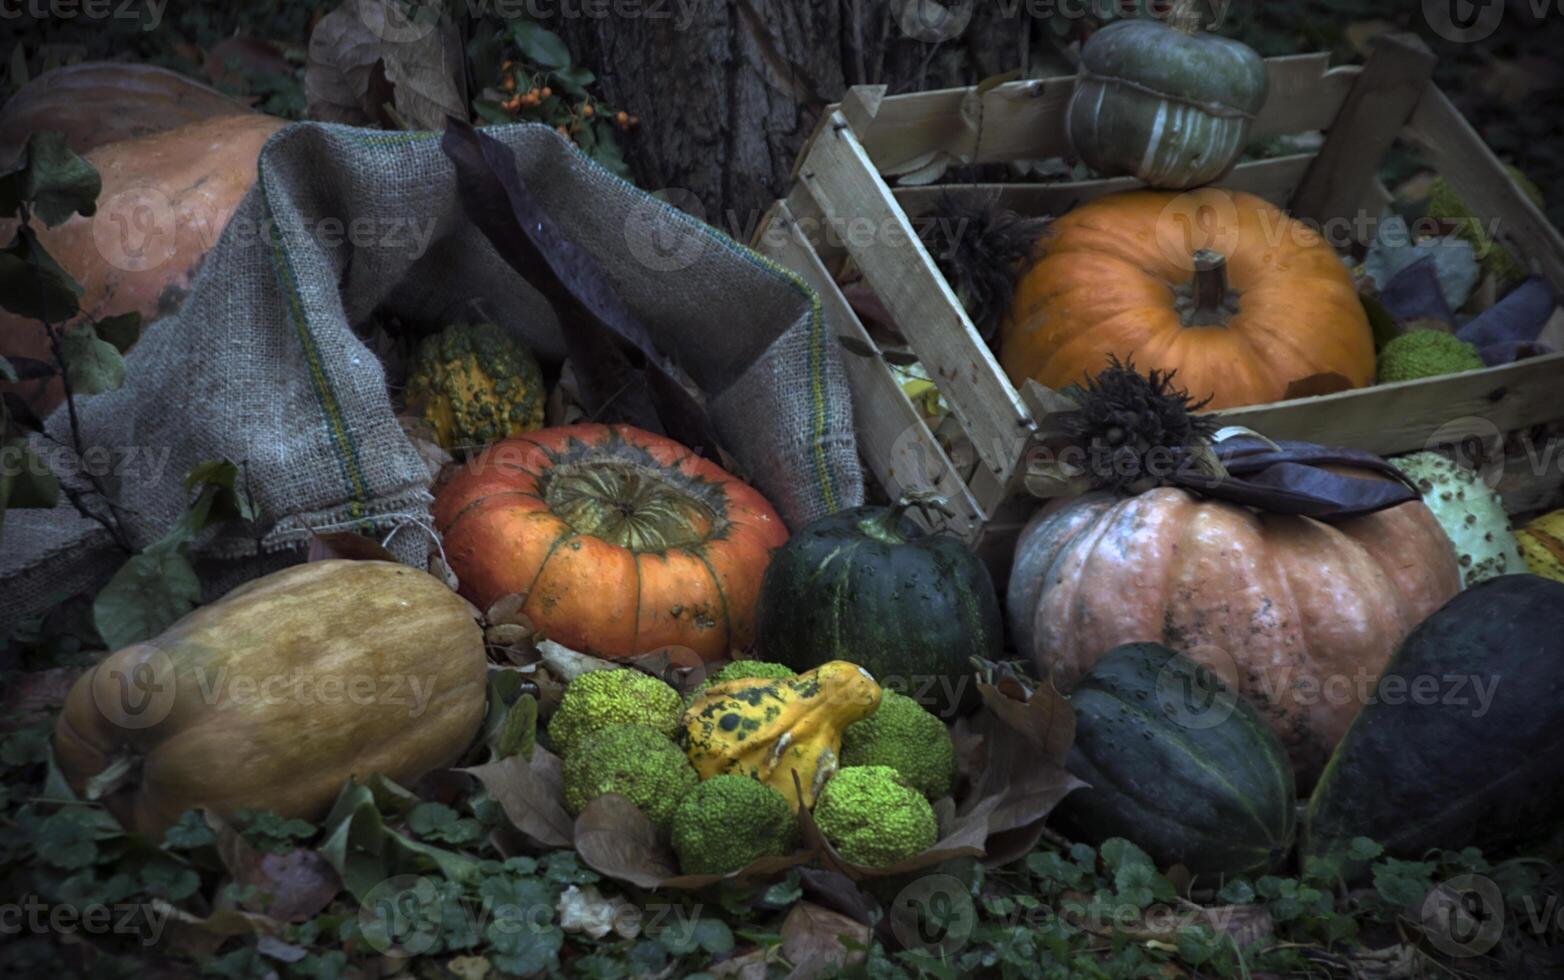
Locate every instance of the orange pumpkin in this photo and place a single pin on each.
(1298, 615)
(165, 200)
(621, 541)
(1218, 285)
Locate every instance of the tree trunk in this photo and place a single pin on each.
(728, 90)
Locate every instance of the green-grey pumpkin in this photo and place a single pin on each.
(1179, 763)
(867, 586)
(1164, 103)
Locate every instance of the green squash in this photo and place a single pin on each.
(1164, 103)
(867, 586)
(1435, 760)
(1179, 764)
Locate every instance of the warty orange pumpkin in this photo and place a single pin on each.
(619, 540)
(1217, 285)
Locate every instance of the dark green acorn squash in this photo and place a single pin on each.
(1434, 760)
(1179, 764)
(867, 586)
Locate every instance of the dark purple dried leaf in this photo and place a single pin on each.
(597, 325)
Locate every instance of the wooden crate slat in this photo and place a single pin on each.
(892, 436)
(1380, 102)
(1398, 418)
(1025, 120)
(1273, 179)
(1461, 157)
(843, 182)
(1303, 94)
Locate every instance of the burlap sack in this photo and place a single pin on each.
(262, 365)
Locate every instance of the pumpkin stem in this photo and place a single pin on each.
(1185, 17)
(1210, 290)
(120, 771)
(887, 526)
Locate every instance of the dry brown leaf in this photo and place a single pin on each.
(616, 839)
(421, 434)
(300, 884)
(812, 941)
(350, 69)
(1043, 717)
(346, 545)
(531, 793)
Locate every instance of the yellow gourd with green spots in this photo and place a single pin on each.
(475, 385)
(770, 728)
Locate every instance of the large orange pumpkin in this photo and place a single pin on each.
(165, 200)
(1218, 285)
(621, 541)
(1298, 615)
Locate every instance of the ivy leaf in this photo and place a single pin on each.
(564, 868)
(1236, 892)
(37, 293)
(540, 46)
(69, 838)
(573, 81)
(1363, 849)
(518, 735)
(145, 597)
(438, 822)
(7, 372)
(122, 331)
(25, 480)
(189, 832)
(785, 892)
(270, 832)
(524, 949)
(25, 747)
(1403, 884)
(220, 498)
(170, 880)
(29, 368)
(682, 937)
(51, 178)
(92, 365)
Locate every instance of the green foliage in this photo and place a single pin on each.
(513, 58)
(156, 587)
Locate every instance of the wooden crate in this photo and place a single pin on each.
(841, 207)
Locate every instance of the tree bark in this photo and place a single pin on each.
(727, 91)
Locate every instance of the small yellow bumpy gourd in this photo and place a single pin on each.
(771, 728)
